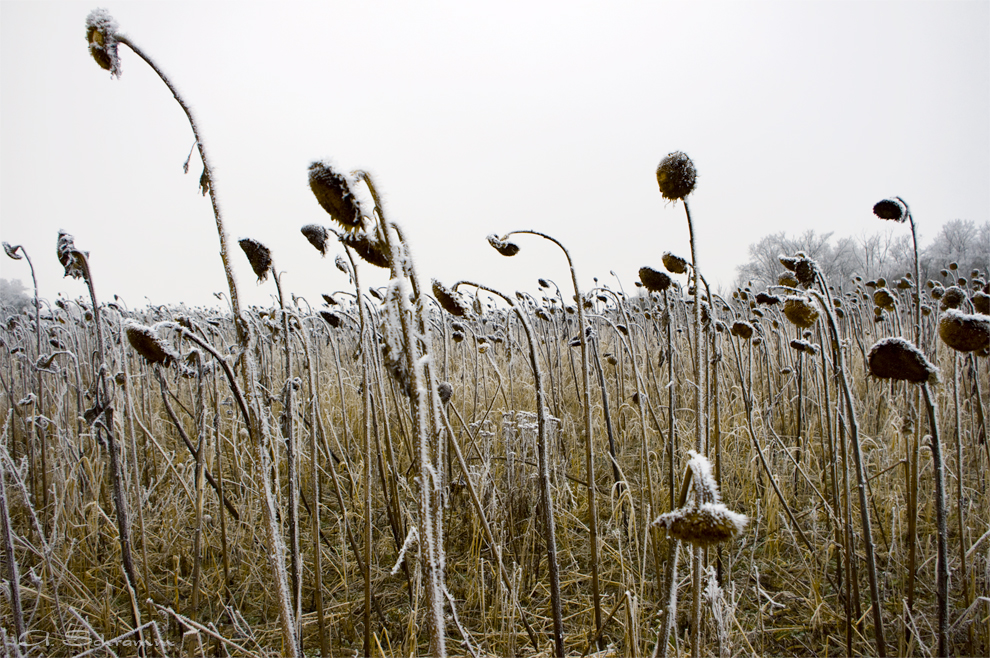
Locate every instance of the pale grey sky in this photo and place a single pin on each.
(479, 118)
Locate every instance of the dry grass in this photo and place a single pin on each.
(777, 596)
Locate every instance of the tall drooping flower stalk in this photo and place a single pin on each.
(262, 264)
(825, 300)
(407, 335)
(10, 557)
(103, 38)
(896, 358)
(100, 415)
(677, 176)
(506, 248)
(17, 252)
(897, 210)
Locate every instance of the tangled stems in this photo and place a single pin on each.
(546, 501)
(589, 436)
(425, 403)
(826, 302)
(257, 424)
(101, 416)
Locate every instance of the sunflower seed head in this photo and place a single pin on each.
(963, 332)
(676, 176)
(654, 280)
(371, 250)
(883, 299)
(12, 251)
(333, 192)
(149, 344)
(449, 300)
(330, 318)
(258, 255)
(503, 246)
(71, 258)
(674, 264)
(897, 358)
(953, 297)
(787, 279)
(765, 298)
(446, 391)
(891, 209)
(101, 35)
(742, 329)
(800, 311)
(317, 236)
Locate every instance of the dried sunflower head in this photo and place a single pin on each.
(449, 300)
(73, 260)
(891, 209)
(963, 332)
(149, 344)
(674, 264)
(787, 279)
(653, 280)
(897, 358)
(883, 299)
(333, 192)
(800, 311)
(503, 247)
(742, 329)
(953, 297)
(371, 250)
(676, 176)
(317, 236)
(704, 520)
(765, 298)
(258, 255)
(101, 35)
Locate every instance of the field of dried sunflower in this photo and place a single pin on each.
(424, 469)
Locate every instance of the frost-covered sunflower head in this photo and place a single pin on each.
(333, 192)
(676, 176)
(101, 35)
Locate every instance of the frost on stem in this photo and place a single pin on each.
(411, 538)
(393, 350)
(101, 35)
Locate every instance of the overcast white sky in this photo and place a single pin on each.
(479, 118)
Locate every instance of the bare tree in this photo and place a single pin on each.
(837, 261)
(13, 295)
(962, 242)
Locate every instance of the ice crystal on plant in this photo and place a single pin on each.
(703, 520)
(101, 35)
(71, 258)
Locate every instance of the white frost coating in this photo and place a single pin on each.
(411, 537)
(705, 486)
